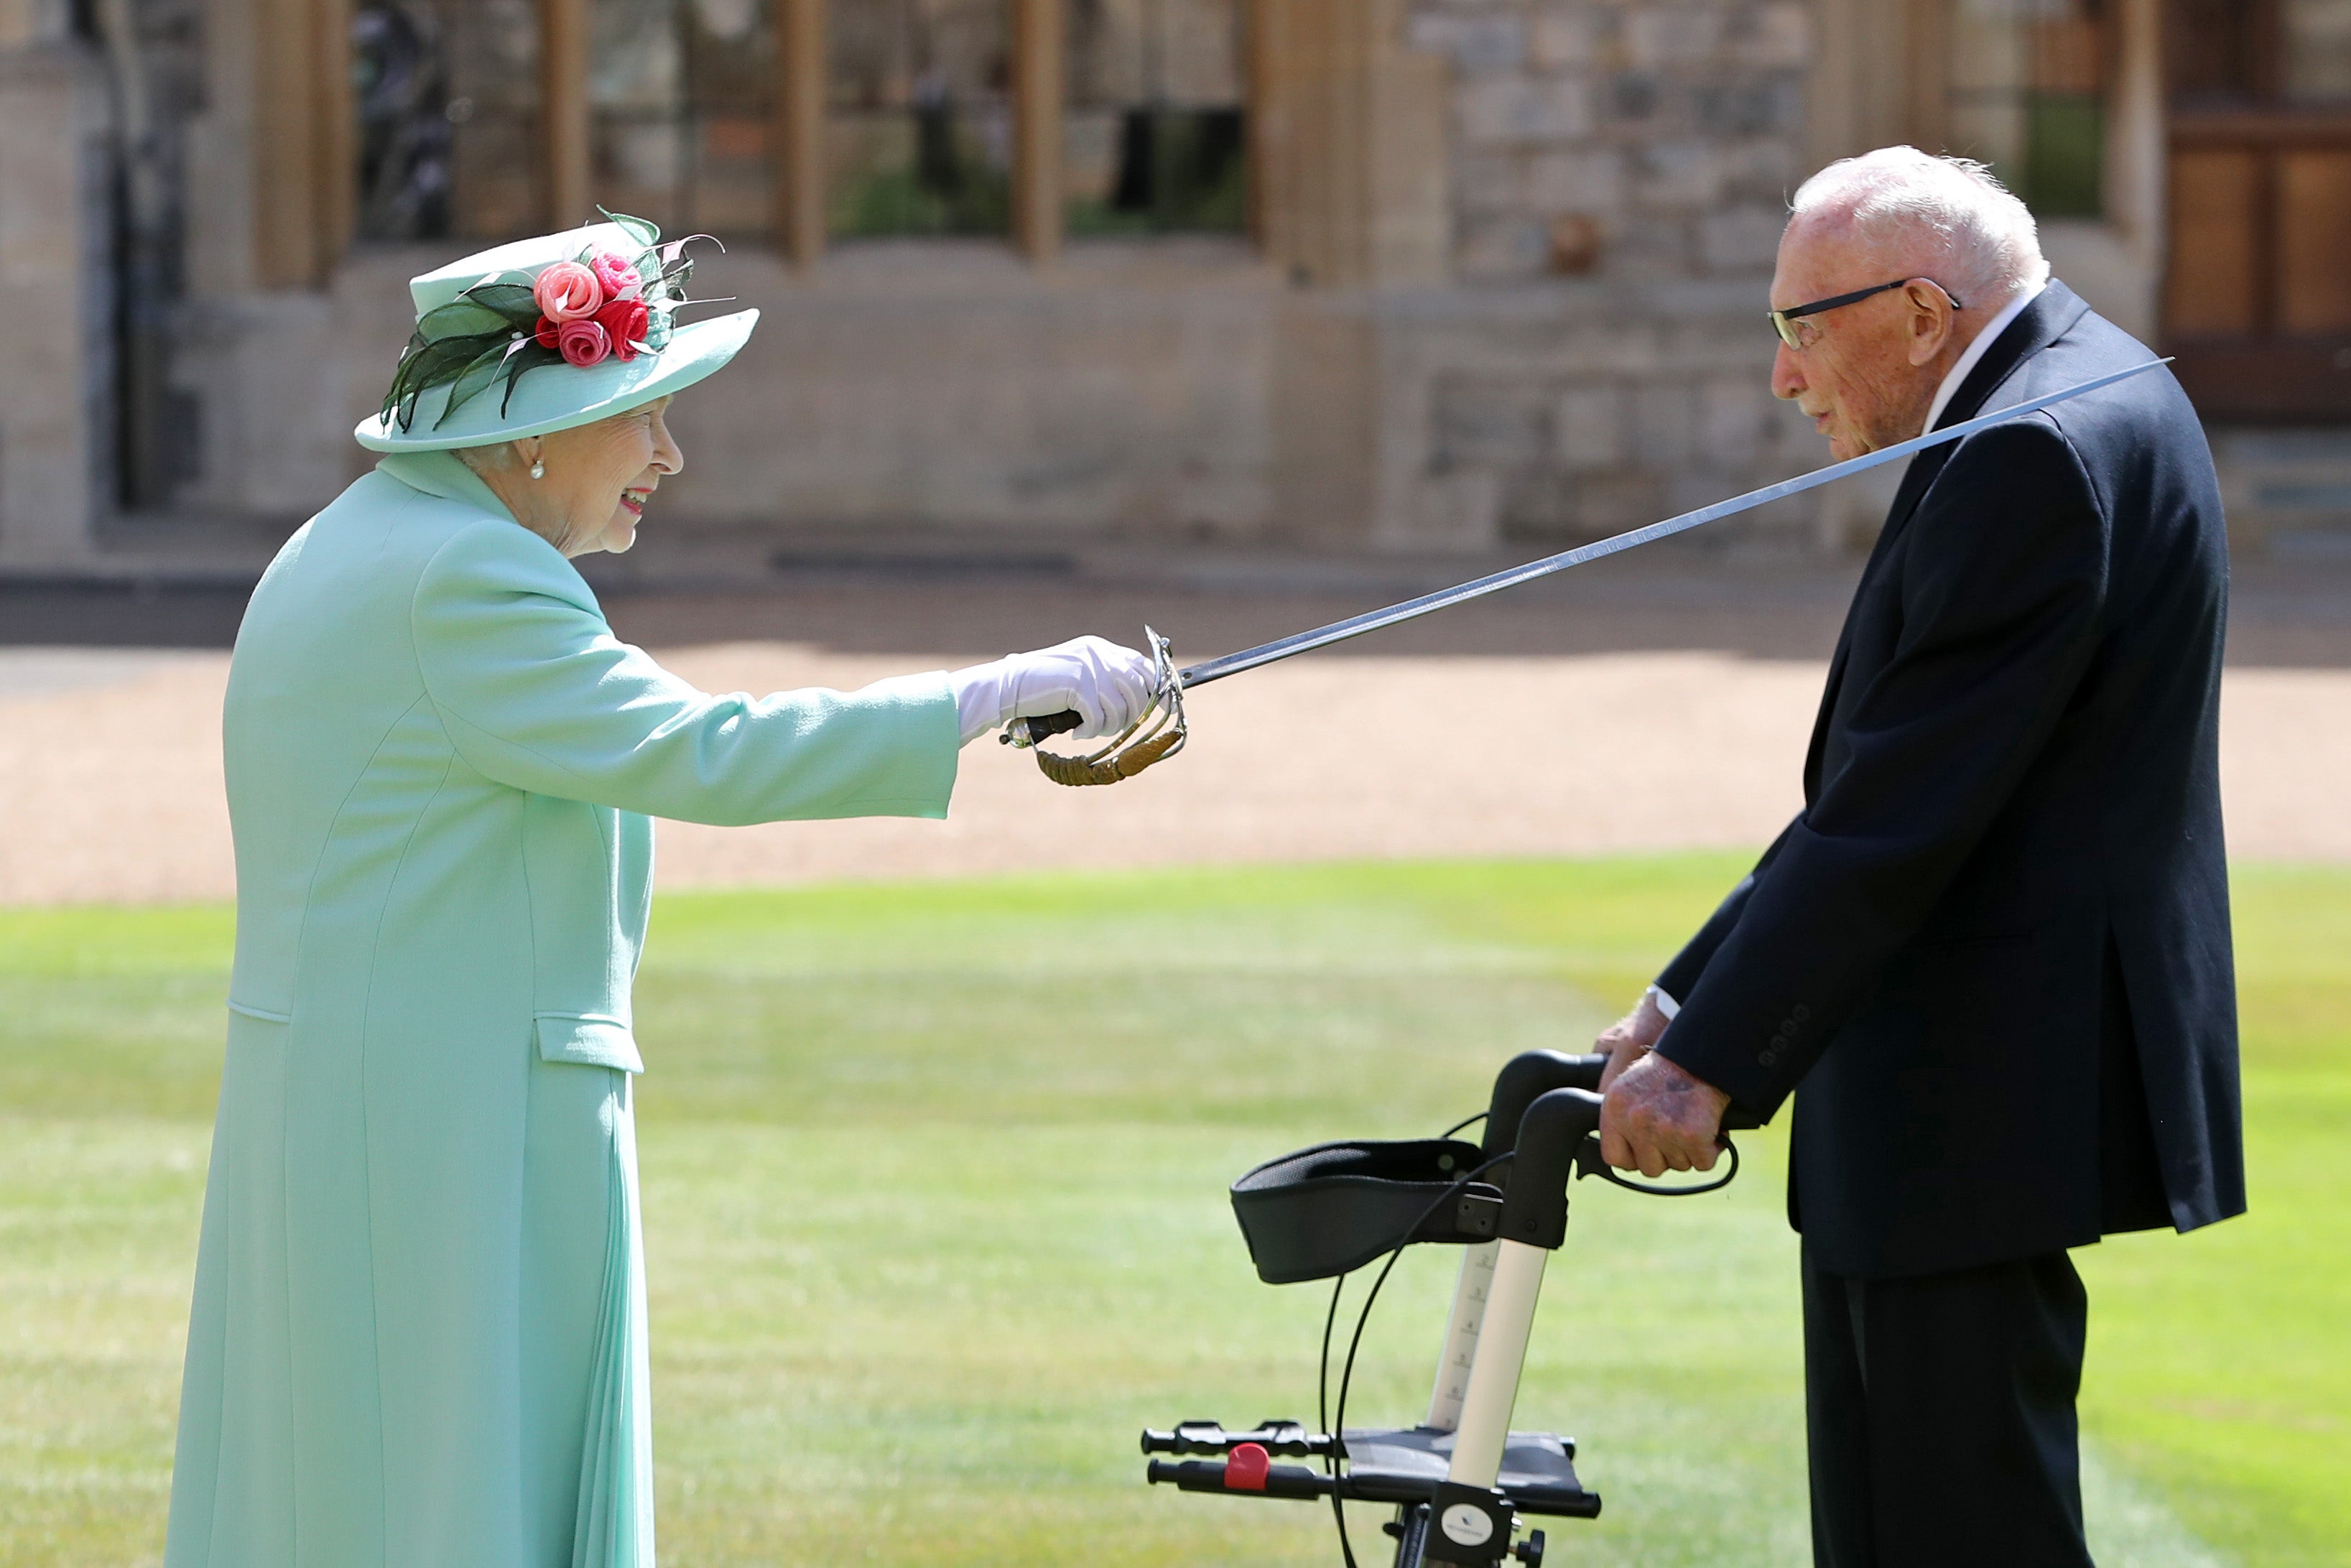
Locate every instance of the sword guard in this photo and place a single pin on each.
(1077, 772)
(1158, 735)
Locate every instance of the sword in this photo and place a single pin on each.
(1027, 732)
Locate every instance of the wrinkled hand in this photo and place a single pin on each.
(1658, 1118)
(1107, 686)
(1631, 1037)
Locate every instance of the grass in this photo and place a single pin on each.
(933, 1179)
(2221, 1365)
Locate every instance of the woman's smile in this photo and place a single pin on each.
(632, 500)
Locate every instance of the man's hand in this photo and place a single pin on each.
(1631, 1037)
(1660, 1118)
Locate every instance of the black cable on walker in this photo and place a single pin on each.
(1337, 1420)
(1608, 1174)
(1460, 1482)
(1338, 1427)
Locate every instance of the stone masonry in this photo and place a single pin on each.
(1619, 176)
(1628, 140)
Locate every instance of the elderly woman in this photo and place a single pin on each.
(418, 1337)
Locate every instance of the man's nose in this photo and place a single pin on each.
(1787, 375)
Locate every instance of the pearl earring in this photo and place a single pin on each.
(538, 469)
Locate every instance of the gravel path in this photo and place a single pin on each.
(110, 769)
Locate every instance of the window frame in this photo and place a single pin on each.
(306, 159)
(1040, 93)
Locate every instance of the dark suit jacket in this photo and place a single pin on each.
(1994, 947)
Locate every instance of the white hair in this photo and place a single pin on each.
(495, 457)
(1979, 240)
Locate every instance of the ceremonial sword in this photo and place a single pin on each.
(1160, 733)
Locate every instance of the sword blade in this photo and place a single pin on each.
(1200, 674)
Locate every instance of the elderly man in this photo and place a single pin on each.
(1993, 948)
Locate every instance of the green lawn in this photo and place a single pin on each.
(934, 1180)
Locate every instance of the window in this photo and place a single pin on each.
(678, 96)
(1152, 139)
(919, 117)
(2317, 51)
(2217, 53)
(808, 121)
(447, 95)
(2028, 97)
(2233, 53)
(2257, 306)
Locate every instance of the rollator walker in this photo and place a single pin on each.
(1461, 1482)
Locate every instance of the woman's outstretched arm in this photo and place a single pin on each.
(536, 693)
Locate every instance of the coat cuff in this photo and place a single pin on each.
(1759, 1073)
(924, 780)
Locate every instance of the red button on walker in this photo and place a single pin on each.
(1245, 1470)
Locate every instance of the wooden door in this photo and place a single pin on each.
(2257, 296)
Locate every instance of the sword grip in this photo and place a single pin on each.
(1030, 731)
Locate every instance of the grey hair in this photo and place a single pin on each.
(1982, 241)
(493, 458)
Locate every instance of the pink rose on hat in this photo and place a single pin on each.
(582, 343)
(572, 300)
(615, 275)
(566, 291)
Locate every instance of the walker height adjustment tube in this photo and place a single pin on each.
(1461, 1481)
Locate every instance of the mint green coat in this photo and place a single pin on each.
(418, 1338)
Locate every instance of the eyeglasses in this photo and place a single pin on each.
(1786, 322)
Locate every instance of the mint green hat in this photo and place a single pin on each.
(478, 371)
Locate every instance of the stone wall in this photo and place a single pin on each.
(1620, 173)
(1575, 346)
(1568, 414)
(1629, 140)
(903, 386)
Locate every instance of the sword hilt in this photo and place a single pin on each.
(1156, 734)
(1027, 732)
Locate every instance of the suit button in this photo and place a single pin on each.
(1767, 1059)
(1802, 1012)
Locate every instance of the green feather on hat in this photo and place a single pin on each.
(593, 307)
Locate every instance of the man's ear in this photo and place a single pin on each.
(1931, 322)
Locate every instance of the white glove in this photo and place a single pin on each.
(1109, 685)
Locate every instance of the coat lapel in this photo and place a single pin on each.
(2036, 327)
(2040, 324)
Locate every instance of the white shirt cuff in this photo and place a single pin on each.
(1665, 1004)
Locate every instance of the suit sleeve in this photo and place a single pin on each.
(2003, 591)
(1681, 977)
(536, 693)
